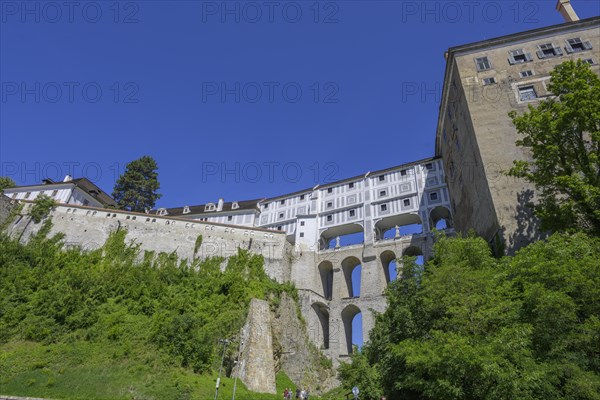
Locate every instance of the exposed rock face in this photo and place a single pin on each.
(257, 368)
(6, 205)
(298, 357)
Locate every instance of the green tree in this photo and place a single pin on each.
(137, 188)
(563, 136)
(6, 182)
(475, 327)
(362, 375)
(41, 207)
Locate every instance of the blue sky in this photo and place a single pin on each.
(167, 73)
(238, 99)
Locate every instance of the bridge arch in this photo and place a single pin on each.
(349, 313)
(326, 275)
(388, 261)
(321, 327)
(348, 234)
(440, 218)
(407, 224)
(412, 251)
(349, 264)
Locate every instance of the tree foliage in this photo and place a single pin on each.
(6, 183)
(42, 205)
(116, 295)
(137, 188)
(563, 135)
(474, 327)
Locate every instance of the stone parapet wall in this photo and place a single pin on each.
(88, 228)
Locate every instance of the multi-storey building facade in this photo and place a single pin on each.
(393, 212)
(413, 194)
(80, 191)
(483, 82)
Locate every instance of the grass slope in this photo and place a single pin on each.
(115, 324)
(94, 371)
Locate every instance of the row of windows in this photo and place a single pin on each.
(351, 185)
(527, 73)
(53, 195)
(28, 194)
(282, 202)
(546, 50)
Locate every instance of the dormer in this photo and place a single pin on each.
(210, 207)
(186, 210)
(235, 205)
(162, 212)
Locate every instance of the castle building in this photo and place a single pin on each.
(375, 205)
(483, 82)
(80, 191)
(387, 213)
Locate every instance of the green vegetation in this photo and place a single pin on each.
(42, 205)
(6, 183)
(109, 324)
(563, 135)
(472, 326)
(136, 189)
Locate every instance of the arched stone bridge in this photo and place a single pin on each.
(329, 299)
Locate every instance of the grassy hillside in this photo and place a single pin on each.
(117, 324)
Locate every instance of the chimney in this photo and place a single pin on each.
(220, 204)
(68, 178)
(566, 9)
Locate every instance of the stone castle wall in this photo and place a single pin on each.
(88, 228)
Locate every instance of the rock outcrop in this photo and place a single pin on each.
(295, 354)
(256, 366)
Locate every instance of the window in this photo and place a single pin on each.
(403, 172)
(330, 190)
(352, 213)
(575, 45)
(548, 50)
(489, 81)
(525, 74)
(519, 57)
(266, 205)
(302, 197)
(27, 195)
(279, 227)
(14, 196)
(483, 64)
(527, 93)
(429, 166)
(329, 204)
(433, 196)
(229, 218)
(382, 193)
(301, 223)
(282, 202)
(301, 234)
(86, 202)
(589, 61)
(406, 202)
(54, 193)
(280, 215)
(383, 207)
(381, 178)
(351, 185)
(329, 218)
